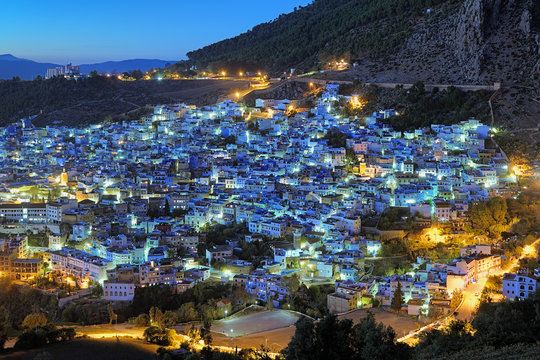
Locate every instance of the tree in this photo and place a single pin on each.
(159, 318)
(457, 296)
(34, 320)
(170, 318)
(167, 208)
(376, 341)
(206, 333)
(194, 334)
(3, 327)
(136, 74)
(97, 290)
(159, 336)
(112, 315)
(187, 312)
(142, 320)
(398, 298)
(489, 216)
(302, 344)
(331, 338)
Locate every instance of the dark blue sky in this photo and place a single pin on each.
(87, 31)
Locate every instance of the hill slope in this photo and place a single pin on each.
(308, 35)
(448, 40)
(78, 103)
(434, 41)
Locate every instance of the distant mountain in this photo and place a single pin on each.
(11, 66)
(125, 65)
(9, 57)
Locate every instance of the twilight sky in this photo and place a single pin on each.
(88, 31)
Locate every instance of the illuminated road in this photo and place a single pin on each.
(472, 293)
(471, 299)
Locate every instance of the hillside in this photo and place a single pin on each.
(473, 41)
(85, 101)
(433, 41)
(318, 32)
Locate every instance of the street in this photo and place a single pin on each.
(471, 299)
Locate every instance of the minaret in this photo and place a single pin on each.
(64, 178)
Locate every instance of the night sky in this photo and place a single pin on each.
(84, 31)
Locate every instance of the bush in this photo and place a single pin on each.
(31, 339)
(60, 335)
(40, 336)
(142, 320)
(34, 320)
(155, 335)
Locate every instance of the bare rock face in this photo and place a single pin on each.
(473, 25)
(525, 22)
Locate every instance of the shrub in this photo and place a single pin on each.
(142, 320)
(31, 339)
(40, 336)
(34, 320)
(155, 335)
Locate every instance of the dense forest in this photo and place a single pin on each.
(318, 32)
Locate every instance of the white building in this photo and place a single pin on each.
(80, 264)
(517, 286)
(25, 213)
(118, 291)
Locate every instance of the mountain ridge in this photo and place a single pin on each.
(26, 69)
